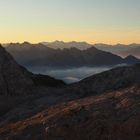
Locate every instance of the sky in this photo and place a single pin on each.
(93, 21)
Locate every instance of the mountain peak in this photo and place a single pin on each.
(130, 56)
(130, 59)
(12, 79)
(92, 48)
(26, 43)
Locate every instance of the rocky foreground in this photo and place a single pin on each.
(110, 116)
(101, 107)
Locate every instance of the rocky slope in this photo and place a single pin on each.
(111, 80)
(17, 85)
(16, 80)
(12, 79)
(110, 116)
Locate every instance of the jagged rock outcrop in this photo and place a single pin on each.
(17, 80)
(111, 116)
(12, 79)
(17, 84)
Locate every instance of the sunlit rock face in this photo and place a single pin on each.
(12, 79)
(110, 116)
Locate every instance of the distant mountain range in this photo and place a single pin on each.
(73, 44)
(133, 51)
(41, 55)
(118, 49)
(121, 49)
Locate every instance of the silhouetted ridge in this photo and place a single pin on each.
(12, 79)
(114, 79)
(131, 59)
(40, 80)
(16, 80)
(40, 55)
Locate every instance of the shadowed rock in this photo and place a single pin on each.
(12, 79)
(111, 116)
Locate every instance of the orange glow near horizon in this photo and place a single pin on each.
(89, 38)
(92, 21)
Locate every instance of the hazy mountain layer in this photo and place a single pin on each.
(118, 49)
(72, 44)
(121, 49)
(40, 55)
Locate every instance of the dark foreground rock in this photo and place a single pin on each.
(111, 80)
(12, 79)
(16, 80)
(111, 116)
(17, 84)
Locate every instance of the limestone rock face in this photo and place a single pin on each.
(12, 79)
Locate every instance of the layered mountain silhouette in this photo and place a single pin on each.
(73, 44)
(130, 59)
(12, 79)
(40, 55)
(15, 79)
(118, 49)
(100, 107)
(121, 49)
(132, 51)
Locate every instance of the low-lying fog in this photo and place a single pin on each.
(69, 75)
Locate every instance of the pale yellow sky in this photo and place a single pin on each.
(90, 36)
(93, 21)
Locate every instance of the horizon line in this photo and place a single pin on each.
(90, 43)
